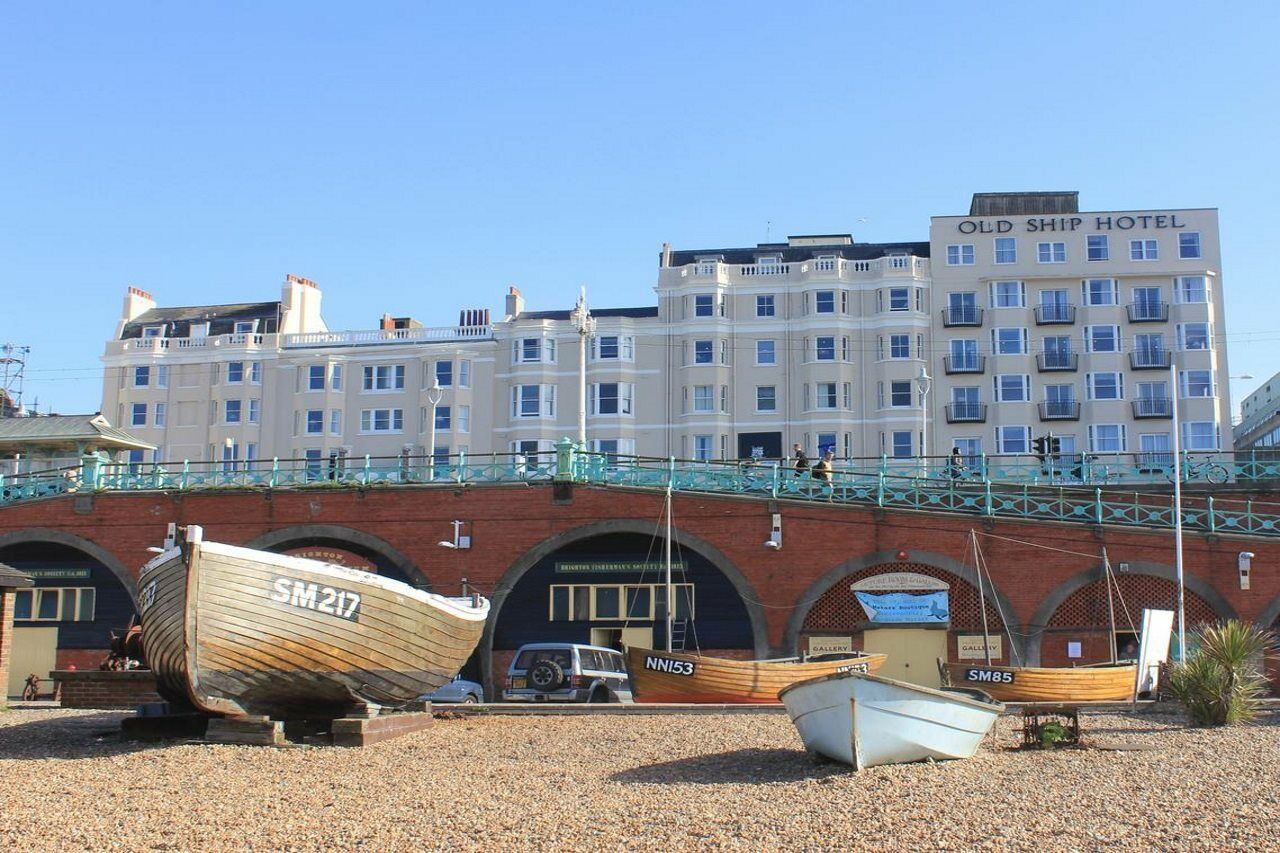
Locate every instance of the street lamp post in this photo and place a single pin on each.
(585, 325)
(434, 394)
(923, 382)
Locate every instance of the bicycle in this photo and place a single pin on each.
(1205, 468)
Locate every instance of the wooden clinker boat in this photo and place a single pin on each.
(1099, 683)
(686, 677)
(865, 720)
(236, 631)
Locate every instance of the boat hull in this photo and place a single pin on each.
(866, 721)
(1047, 684)
(231, 630)
(685, 677)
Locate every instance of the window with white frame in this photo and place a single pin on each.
(159, 415)
(533, 350)
(1097, 248)
(703, 447)
(1006, 250)
(1191, 288)
(1197, 383)
(244, 327)
(384, 377)
(824, 348)
(1189, 244)
(899, 299)
(704, 305)
(824, 395)
(255, 373)
(1013, 439)
(316, 377)
(1008, 294)
(960, 255)
(444, 374)
(444, 418)
(1099, 291)
(1102, 339)
(766, 352)
(1009, 341)
(611, 398)
(55, 604)
(335, 377)
(899, 346)
(703, 352)
(139, 415)
(315, 421)
(231, 411)
(463, 420)
(1107, 438)
(1105, 386)
(824, 302)
(382, 420)
(765, 306)
(900, 394)
(162, 375)
(235, 372)
(152, 332)
(533, 401)
(1012, 387)
(1200, 436)
(335, 422)
(901, 444)
(766, 398)
(1195, 336)
(1144, 250)
(704, 398)
(464, 373)
(1051, 253)
(141, 377)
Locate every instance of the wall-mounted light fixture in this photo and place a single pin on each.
(775, 533)
(461, 541)
(1244, 563)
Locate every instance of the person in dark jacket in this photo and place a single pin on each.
(802, 461)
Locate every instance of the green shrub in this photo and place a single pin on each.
(1223, 683)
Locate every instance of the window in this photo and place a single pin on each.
(900, 394)
(444, 418)
(1008, 294)
(1102, 339)
(899, 346)
(1197, 383)
(464, 419)
(1194, 336)
(703, 447)
(532, 401)
(1012, 388)
(1006, 250)
(231, 411)
(335, 377)
(824, 302)
(1148, 349)
(825, 395)
(1009, 341)
(1107, 438)
(899, 299)
(315, 377)
(901, 444)
(1144, 250)
(162, 376)
(139, 418)
(381, 420)
(960, 254)
(1200, 435)
(1051, 253)
(152, 332)
(235, 372)
(765, 306)
(704, 305)
(1147, 300)
(141, 377)
(703, 352)
(255, 373)
(444, 373)
(703, 398)
(160, 415)
(766, 398)
(1191, 288)
(1013, 439)
(1097, 248)
(55, 604)
(605, 347)
(464, 373)
(1105, 386)
(582, 602)
(611, 398)
(532, 350)
(244, 327)
(1189, 244)
(312, 455)
(964, 353)
(825, 349)
(962, 307)
(384, 377)
(765, 353)
(315, 421)
(1059, 394)
(1099, 291)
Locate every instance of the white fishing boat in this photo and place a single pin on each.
(866, 720)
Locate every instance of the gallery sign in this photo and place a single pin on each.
(898, 581)
(829, 645)
(970, 647)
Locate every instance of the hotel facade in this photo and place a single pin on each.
(1024, 318)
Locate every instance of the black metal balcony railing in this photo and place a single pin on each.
(964, 363)
(961, 413)
(1149, 359)
(1153, 407)
(1059, 410)
(1148, 312)
(1047, 361)
(1048, 315)
(962, 315)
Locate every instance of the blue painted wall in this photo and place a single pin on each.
(113, 608)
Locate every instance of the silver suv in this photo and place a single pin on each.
(567, 672)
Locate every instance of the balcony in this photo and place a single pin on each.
(376, 337)
(1153, 407)
(240, 340)
(1148, 312)
(1059, 410)
(966, 413)
(1150, 359)
(962, 315)
(1049, 362)
(815, 269)
(964, 364)
(1055, 315)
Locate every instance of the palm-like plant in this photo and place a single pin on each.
(1223, 682)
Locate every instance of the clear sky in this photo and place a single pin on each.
(419, 158)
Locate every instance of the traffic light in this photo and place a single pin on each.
(1040, 446)
(1055, 445)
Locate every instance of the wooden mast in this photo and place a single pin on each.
(982, 597)
(1111, 602)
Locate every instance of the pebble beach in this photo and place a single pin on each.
(670, 782)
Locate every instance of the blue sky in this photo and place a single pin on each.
(417, 159)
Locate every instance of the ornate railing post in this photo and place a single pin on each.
(565, 460)
(773, 487)
(1097, 505)
(988, 503)
(462, 467)
(1213, 521)
(91, 470)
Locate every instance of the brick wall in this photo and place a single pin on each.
(7, 598)
(106, 690)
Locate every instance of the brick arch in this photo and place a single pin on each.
(1270, 618)
(85, 546)
(837, 609)
(746, 592)
(965, 594)
(308, 534)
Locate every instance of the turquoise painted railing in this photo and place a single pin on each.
(885, 483)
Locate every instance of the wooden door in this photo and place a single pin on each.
(34, 650)
(913, 653)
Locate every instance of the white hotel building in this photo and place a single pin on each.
(1029, 316)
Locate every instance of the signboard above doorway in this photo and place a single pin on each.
(898, 581)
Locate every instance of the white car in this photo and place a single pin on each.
(458, 690)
